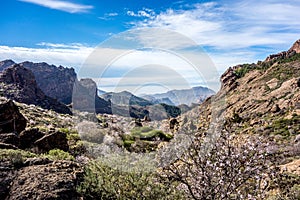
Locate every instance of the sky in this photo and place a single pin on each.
(67, 32)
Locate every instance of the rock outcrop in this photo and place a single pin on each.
(54, 140)
(5, 64)
(85, 98)
(11, 120)
(19, 84)
(285, 54)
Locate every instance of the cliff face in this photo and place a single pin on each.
(56, 82)
(19, 84)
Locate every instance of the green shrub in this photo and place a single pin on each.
(148, 133)
(243, 70)
(105, 182)
(57, 154)
(16, 157)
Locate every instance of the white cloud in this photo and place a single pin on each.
(230, 27)
(145, 13)
(108, 16)
(58, 54)
(61, 5)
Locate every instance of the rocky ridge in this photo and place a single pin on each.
(19, 84)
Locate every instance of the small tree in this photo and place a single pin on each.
(223, 167)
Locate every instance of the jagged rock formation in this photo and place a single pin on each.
(18, 83)
(261, 98)
(55, 82)
(285, 54)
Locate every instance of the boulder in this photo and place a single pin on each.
(28, 137)
(11, 120)
(275, 108)
(54, 140)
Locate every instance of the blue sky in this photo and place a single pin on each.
(65, 32)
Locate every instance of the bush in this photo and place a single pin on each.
(57, 154)
(16, 157)
(148, 133)
(105, 182)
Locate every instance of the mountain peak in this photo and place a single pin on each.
(296, 47)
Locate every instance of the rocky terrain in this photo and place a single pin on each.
(48, 154)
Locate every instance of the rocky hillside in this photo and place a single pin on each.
(19, 84)
(263, 99)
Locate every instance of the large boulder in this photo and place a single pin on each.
(29, 136)
(54, 140)
(11, 120)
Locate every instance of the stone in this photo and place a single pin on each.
(297, 139)
(28, 137)
(11, 120)
(55, 140)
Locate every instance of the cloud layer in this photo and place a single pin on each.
(61, 5)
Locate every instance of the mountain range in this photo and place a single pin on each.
(59, 86)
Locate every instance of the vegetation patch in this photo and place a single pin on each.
(144, 139)
(57, 154)
(102, 181)
(243, 70)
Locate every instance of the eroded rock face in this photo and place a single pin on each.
(11, 120)
(228, 80)
(285, 54)
(6, 63)
(55, 180)
(19, 84)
